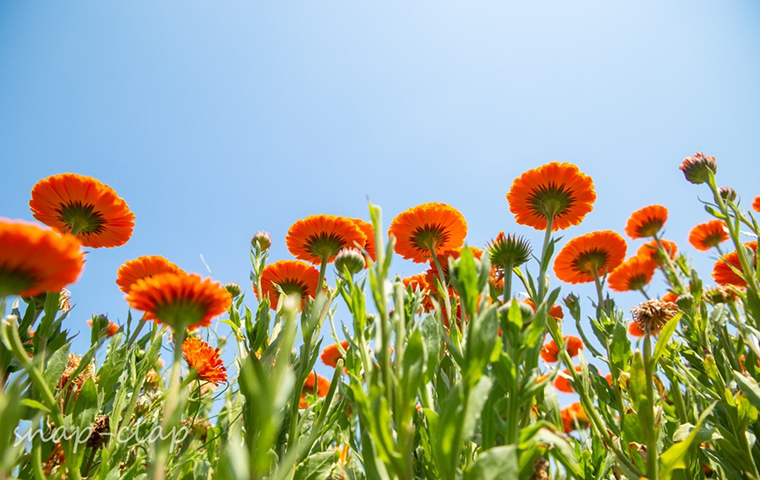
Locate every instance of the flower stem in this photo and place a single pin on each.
(507, 283)
(544, 262)
(653, 472)
(322, 270)
(671, 265)
(163, 445)
(444, 285)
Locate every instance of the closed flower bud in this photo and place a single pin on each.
(728, 194)
(509, 250)
(685, 302)
(262, 240)
(698, 168)
(234, 289)
(351, 259)
(526, 310)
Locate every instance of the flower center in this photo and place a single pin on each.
(551, 200)
(80, 218)
(13, 282)
(636, 282)
(180, 314)
(712, 239)
(649, 228)
(289, 287)
(429, 237)
(325, 245)
(591, 261)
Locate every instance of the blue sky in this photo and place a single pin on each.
(217, 119)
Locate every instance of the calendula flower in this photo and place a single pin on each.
(35, 260)
(319, 238)
(721, 294)
(550, 350)
(496, 277)
(292, 277)
(633, 274)
(84, 207)
(562, 382)
(555, 310)
(369, 233)
(349, 258)
(707, 235)
(315, 385)
(698, 168)
(635, 330)
(557, 191)
(143, 267)
(646, 222)
(509, 250)
(756, 204)
(582, 257)
(109, 330)
(573, 416)
(651, 250)
(652, 315)
(669, 297)
(201, 357)
(416, 282)
(723, 271)
(331, 354)
(444, 259)
(179, 300)
(426, 228)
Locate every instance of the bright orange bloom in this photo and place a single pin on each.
(756, 204)
(435, 227)
(651, 250)
(443, 258)
(143, 267)
(292, 276)
(200, 356)
(550, 351)
(722, 271)
(35, 260)
(646, 222)
(707, 235)
(669, 297)
(563, 384)
(110, 329)
(179, 300)
(556, 190)
(634, 330)
(314, 385)
(593, 252)
(555, 311)
(85, 207)
(417, 282)
(633, 274)
(369, 232)
(496, 277)
(331, 354)
(573, 415)
(319, 237)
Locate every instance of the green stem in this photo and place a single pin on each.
(507, 283)
(322, 270)
(444, 284)
(653, 472)
(544, 261)
(163, 446)
(670, 264)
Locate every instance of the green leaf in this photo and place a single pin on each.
(86, 404)
(493, 464)
(28, 402)
(315, 467)
(412, 366)
(674, 458)
(749, 388)
(56, 365)
(112, 368)
(664, 338)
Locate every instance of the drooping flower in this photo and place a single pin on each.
(698, 168)
(110, 328)
(723, 271)
(646, 222)
(652, 251)
(321, 237)
(35, 260)
(426, 228)
(369, 233)
(559, 191)
(562, 382)
(509, 250)
(179, 300)
(292, 277)
(593, 252)
(572, 416)
(205, 359)
(633, 274)
(315, 385)
(555, 310)
(331, 354)
(707, 235)
(84, 207)
(550, 350)
(652, 315)
(143, 267)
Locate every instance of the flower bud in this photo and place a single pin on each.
(685, 302)
(698, 168)
(234, 289)
(526, 311)
(351, 259)
(728, 194)
(261, 240)
(509, 250)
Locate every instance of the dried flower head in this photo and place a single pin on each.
(652, 315)
(100, 430)
(71, 366)
(698, 168)
(721, 294)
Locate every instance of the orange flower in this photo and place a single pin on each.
(143, 267)
(563, 384)
(594, 252)
(292, 276)
(550, 351)
(634, 330)
(555, 311)
(707, 235)
(314, 385)
(669, 297)
(110, 329)
(633, 274)
(443, 259)
(321, 237)
(646, 222)
(369, 232)
(331, 354)
(35, 260)
(417, 282)
(756, 204)
(651, 250)
(426, 228)
(556, 190)
(200, 356)
(722, 271)
(573, 415)
(179, 300)
(84, 207)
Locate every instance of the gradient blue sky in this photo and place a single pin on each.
(217, 119)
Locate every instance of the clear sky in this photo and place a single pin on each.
(217, 119)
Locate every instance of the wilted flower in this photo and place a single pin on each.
(698, 168)
(652, 315)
